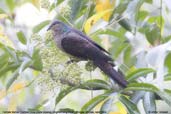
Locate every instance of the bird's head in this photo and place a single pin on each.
(58, 27)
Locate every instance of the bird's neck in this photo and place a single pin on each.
(61, 31)
(65, 29)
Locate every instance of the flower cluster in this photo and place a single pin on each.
(64, 10)
(44, 4)
(56, 72)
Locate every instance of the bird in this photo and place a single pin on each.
(76, 44)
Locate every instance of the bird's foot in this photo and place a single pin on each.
(70, 61)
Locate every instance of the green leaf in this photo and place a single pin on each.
(95, 84)
(25, 65)
(142, 15)
(137, 9)
(167, 62)
(127, 54)
(37, 61)
(40, 26)
(2, 11)
(67, 110)
(59, 2)
(12, 79)
(149, 102)
(153, 34)
(91, 10)
(63, 93)
(21, 37)
(37, 107)
(107, 105)
(167, 77)
(125, 23)
(121, 7)
(142, 87)
(149, 1)
(168, 91)
(129, 60)
(10, 4)
(95, 101)
(150, 88)
(117, 34)
(138, 95)
(51, 7)
(4, 59)
(3, 69)
(8, 67)
(157, 20)
(118, 47)
(138, 73)
(75, 8)
(166, 39)
(165, 96)
(131, 107)
(12, 53)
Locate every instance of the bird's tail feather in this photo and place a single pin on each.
(108, 69)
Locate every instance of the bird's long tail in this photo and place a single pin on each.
(108, 69)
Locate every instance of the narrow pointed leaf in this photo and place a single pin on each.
(59, 2)
(131, 107)
(93, 19)
(12, 53)
(2, 11)
(138, 73)
(63, 93)
(142, 86)
(125, 24)
(8, 67)
(25, 65)
(168, 91)
(10, 4)
(37, 61)
(95, 101)
(165, 96)
(121, 7)
(149, 102)
(4, 59)
(95, 84)
(138, 95)
(167, 77)
(21, 37)
(106, 106)
(51, 7)
(167, 62)
(149, 1)
(37, 107)
(153, 34)
(12, 79)
(75, 8)
(40, 26)
(67, 110)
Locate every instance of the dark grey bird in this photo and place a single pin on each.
(77, 44)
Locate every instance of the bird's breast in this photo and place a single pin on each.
(58, 40)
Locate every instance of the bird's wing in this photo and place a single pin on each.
(79, 47)
(97, 45)
(82, 48)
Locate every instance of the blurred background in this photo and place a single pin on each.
(34, 75)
